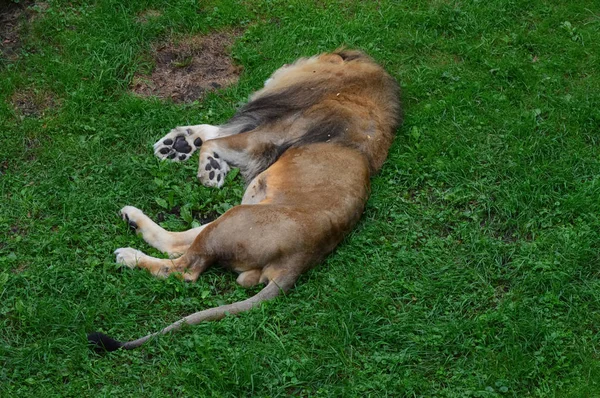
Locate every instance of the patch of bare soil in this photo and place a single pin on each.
(32, 103)
(11, 16)
(20, 268)
(189, 68)
(146, 15)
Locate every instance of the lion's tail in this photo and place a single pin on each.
(101, 342)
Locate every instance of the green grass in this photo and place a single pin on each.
(475, 271)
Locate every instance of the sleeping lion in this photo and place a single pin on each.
(306, 144)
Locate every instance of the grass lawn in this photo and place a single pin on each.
(474, 272)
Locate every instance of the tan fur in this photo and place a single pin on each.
(300, 207)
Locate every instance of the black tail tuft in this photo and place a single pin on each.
(102, 343)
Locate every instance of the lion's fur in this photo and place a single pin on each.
(307, 143)
(343, 97)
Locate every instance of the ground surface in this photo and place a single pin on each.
(475, 271)
(185, 69)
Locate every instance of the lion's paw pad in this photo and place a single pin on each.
(212, 171)
(178, 145)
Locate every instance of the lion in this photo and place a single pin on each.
(306, 144)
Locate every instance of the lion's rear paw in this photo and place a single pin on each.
(133, 216)
(128, 256)
(178, 145)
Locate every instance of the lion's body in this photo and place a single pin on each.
(301, 216)
(307, 143)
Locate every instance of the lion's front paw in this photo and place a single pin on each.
(212, 169)
(178, 145)
(128, 256)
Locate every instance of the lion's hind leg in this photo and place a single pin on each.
(172, 243)
(189, 265)
(249, 278)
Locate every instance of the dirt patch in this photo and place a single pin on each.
(3, 167)
(188, 68)
(22, 267)
(32, 103)
(12, 15)
(147, 15)
(17, 230)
